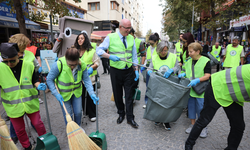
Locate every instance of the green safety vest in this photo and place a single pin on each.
(216, 51)
(20, 97)
(28, 56)
(137, 45)
(149, 57)
(93, 45)
(87, 59)
(117, 48)
(232, 85)
(178, 51)
(232, 56)
(169, 62)
(184, 61)
(198, 72)
(65, 81)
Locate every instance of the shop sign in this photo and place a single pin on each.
(5, 10)
(242, 21)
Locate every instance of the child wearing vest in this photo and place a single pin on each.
(164, 60)
(18, 94)
(88, 55)
(202, 72)
(69, 72)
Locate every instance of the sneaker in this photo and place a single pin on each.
(144, 106)
(157, 123)
(188, 130)
(167, 126)
(40, 101)
(14, 139)
(31, 147)
(204, 133)
(93, 119)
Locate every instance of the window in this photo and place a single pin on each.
(94, 6)
(114, 5)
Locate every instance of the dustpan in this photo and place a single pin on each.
(47, 141)
(98, 137)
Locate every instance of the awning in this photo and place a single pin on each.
(102, 34)
(96, 37)
(12, 22)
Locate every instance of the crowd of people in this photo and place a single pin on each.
(123, 55)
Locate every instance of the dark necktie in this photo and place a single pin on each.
(124, 42)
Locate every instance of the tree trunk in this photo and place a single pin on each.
(212, 16)
(20, 17)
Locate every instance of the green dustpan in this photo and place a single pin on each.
(97, 137)
(47, 141)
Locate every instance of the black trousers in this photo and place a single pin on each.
(123, 79)
(90, 106)
(105, 64)
(218, 68)
(234, 113)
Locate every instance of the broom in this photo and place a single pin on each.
(77, 138)
(6, 141)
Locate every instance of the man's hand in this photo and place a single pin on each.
(114, 58)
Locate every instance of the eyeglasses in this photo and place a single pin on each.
(11, 61)
(127, 28)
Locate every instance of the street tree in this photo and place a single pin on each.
(149, 32)
(55, 7)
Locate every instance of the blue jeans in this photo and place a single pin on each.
(73, 105)
(195, 105)
(147, 79)
(12, 131)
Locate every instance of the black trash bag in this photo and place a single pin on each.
(166, 98)
(213, 60)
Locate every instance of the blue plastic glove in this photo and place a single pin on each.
(56, 59)
(42, 87)
(90, 70)
(95, 99)
(217, 56)
(168, 73)
(181, 75)
(208, 52)
(149, 72)
(136, 75)
(194, 82)
(114, 58)
(40, 70)
(143, 68)
(60, 98)
(222, 64)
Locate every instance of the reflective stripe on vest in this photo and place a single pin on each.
(26, 99)
(87, 58)
(240, 82)
(14, 88)
(116, 47)
(232, 56)
(66, 84)
(216, 51)
(232, 85)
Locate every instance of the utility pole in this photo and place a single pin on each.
(192, 28)
(51, 28)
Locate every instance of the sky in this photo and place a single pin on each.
(152, 16)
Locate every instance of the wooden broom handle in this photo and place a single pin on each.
(56, 87)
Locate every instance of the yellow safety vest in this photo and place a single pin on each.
(93, 45)
(198, 72)
(117, 48)
(87, 58)
(28, 56)
(232, 85)
(65, 81)
(169, 62)
(20, 97)
(232, 56)
(178, 51)
(216, 51)
(137, 45)
(149, 57)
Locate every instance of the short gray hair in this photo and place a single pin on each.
(161, 45)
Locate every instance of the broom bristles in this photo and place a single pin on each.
(78, 140)
(6, 141)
